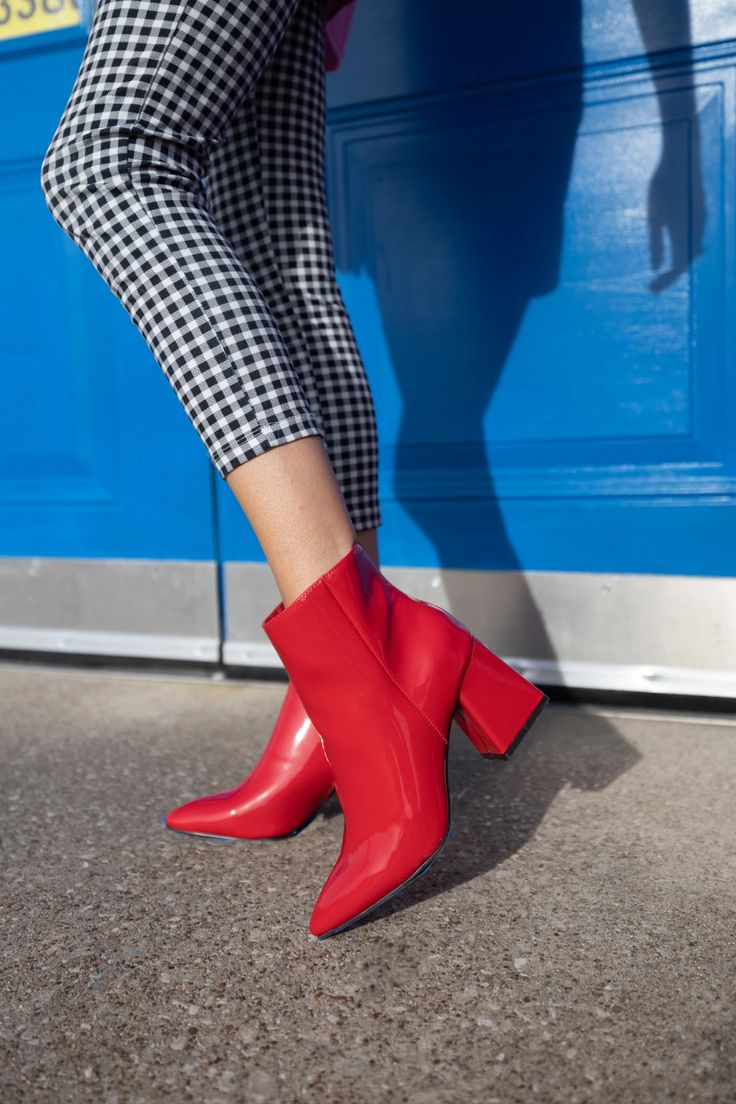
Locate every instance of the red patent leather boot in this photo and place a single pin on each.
(281, 795)
(382, 675)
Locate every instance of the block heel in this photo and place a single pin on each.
(496, 705)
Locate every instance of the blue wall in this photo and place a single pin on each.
(498, 176)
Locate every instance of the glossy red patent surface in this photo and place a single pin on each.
(380, 674)
(288, 784)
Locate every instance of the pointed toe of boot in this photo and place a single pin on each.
(248, 812)
(281, 795)
(204, 816)
(343, 901)
(373, 869)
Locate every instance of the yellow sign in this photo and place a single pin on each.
(26, 17)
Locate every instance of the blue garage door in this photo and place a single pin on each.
(533, 213)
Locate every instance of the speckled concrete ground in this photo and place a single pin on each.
(575, 942)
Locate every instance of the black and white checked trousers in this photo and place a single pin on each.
(188, 166)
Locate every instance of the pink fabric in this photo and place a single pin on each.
(337, 16)
(329, 7)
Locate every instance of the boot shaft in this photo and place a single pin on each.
(353, 629)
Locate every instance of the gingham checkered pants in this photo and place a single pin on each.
(188, 166)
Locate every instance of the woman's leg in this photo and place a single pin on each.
(158, 83)
(380, 674)
(266, 187)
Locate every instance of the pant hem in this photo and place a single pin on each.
(239, 453)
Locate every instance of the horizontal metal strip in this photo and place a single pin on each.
(571, 674)
(80, 642)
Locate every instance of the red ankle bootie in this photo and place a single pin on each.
(280, 796)
(382, 675)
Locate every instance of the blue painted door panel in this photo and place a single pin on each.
(548, 397)
(97, 458)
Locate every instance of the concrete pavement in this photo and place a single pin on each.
(576, 940)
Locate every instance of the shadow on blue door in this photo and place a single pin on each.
(533, 283)
(471, 231)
